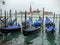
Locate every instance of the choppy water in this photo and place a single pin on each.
(39, 38)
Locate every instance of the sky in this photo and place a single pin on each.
(22, 5)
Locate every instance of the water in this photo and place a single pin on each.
(39, 38)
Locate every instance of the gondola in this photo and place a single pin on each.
(9, 29)
(9, 26)
(12, 28)
(32, 28)
(50, 26)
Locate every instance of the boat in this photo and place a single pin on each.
(32, 28)
(50, 26)
(9, 29)
(12, 28)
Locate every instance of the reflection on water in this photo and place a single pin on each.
(11, 36)
(50, 38)
(28, 39)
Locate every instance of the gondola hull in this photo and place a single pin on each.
(3, 30)
(27, 32)
(9, 30)
(51, 32)
(50, 26)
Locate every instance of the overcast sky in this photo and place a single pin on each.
(22, 5)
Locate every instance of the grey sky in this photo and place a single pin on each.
(22, 5)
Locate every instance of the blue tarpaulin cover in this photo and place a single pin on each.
(51, 28)
(37, 23)
(8, 22)
(30, 20)
(13, 27)
(47, 21)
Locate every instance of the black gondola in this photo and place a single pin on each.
(30, 31)
(13, 28)
(8, 29)
(33, 28)
(50, 25)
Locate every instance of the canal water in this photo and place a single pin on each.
(38, 38)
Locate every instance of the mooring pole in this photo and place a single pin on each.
(1, 12)
(54, 17)
(43, 27)
(43, 19)
(53, 20)
(10, 16)
(25, 18)
(30, 24)
(59, 23)
(5, 17)
(21, 22)
(16, 16)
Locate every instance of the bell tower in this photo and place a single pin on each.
(30, 9)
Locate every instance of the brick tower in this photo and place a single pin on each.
(30, 9)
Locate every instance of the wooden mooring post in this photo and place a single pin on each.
(43, 27)
(43, 21)
(54, 18)
(16, 16)
(59, 23)
(21, 22)
(25, 18)
(5, 17)
(10, 16)
(1, 12)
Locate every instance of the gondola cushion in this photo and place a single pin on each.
(48, 21)
(51, 28)
(37, 23)
(14, 26)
